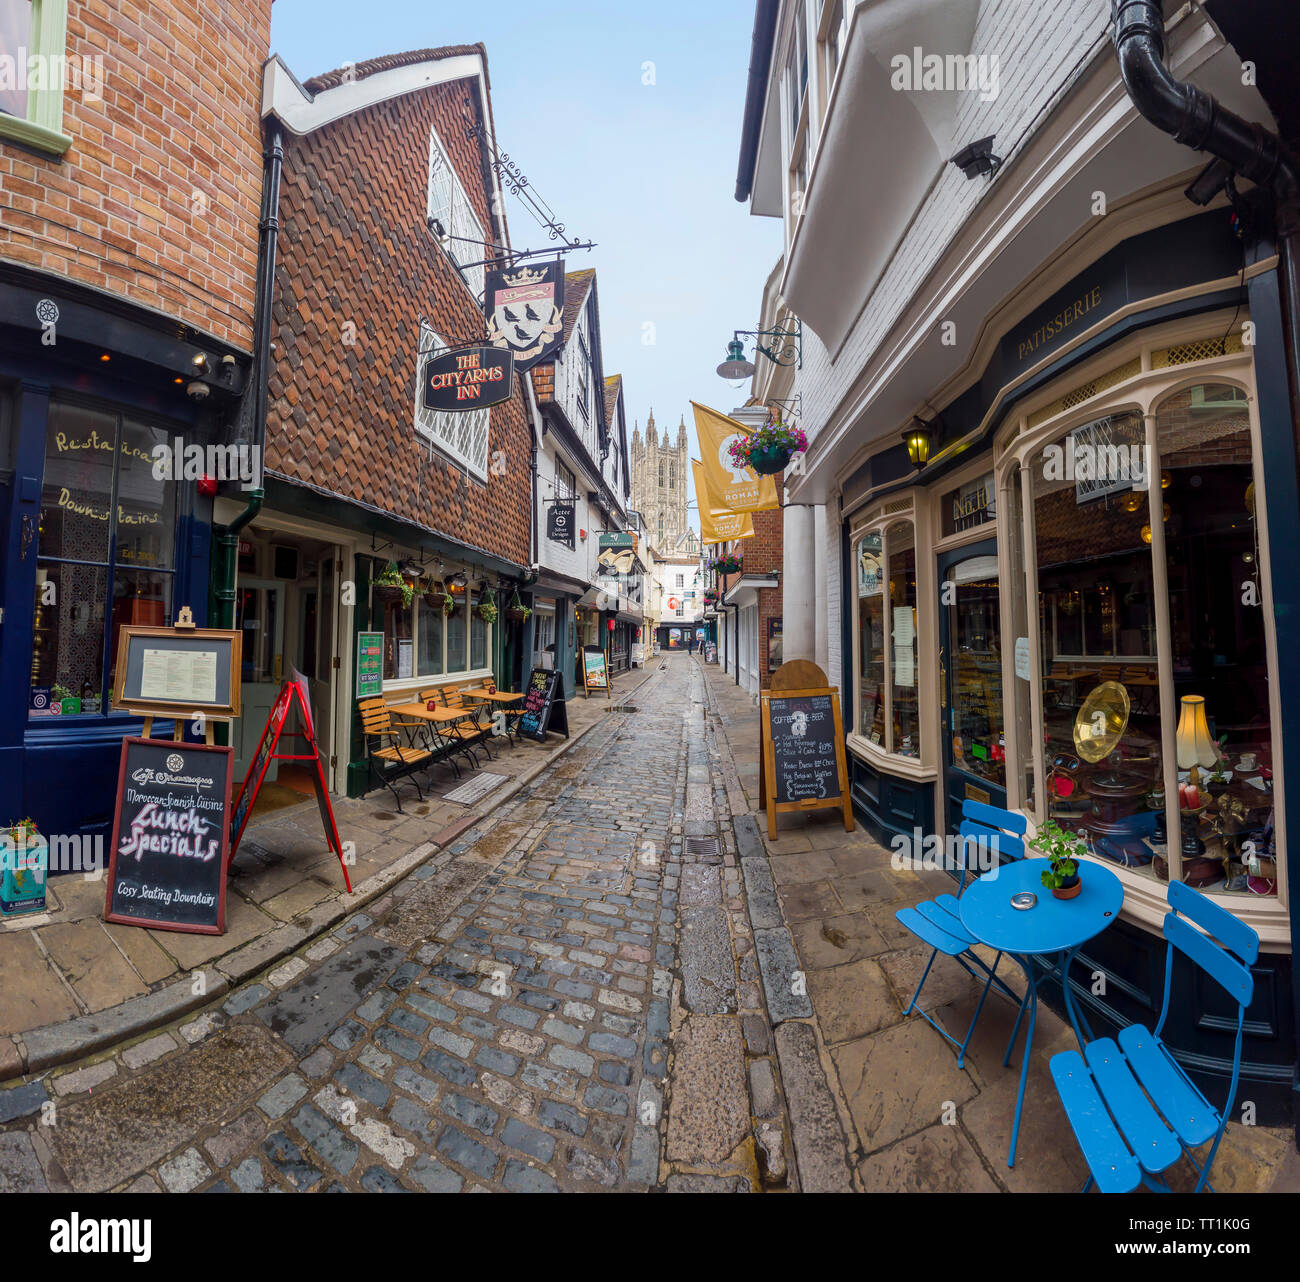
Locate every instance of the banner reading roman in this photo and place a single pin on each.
(524, 307)
(734, 489)
(718, 526)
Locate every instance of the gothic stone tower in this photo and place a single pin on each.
(659, 483)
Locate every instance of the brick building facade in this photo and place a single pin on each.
(129, 207)
(387, 199)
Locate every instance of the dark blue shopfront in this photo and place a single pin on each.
(1151, 590)
(96, 531)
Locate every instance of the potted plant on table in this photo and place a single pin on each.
(389, 587)
(1064, 849)
(768, 449)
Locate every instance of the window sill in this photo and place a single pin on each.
(30, 134)
(408, 684)
(878, 758)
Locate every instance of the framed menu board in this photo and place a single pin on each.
(177, 670)
(595, 672)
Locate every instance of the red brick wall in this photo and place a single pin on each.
(354, 248)
(762, 555)
(158, 197)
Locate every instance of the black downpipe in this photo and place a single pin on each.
(227, 537)
(1192, 116)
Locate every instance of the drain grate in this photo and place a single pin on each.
(624, 707)
(702, 847)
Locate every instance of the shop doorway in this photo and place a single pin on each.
(259, 617)
(970, 680)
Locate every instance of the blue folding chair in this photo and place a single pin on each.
(937, 922)
(1124, 1137)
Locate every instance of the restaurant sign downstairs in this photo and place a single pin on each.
(468, 378)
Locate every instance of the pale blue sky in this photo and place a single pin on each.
(646, 171)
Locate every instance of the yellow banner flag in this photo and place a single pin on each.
(717, 526)
(734, 489)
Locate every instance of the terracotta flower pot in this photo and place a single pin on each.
(1071, 888)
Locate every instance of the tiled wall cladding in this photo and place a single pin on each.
(357, 270)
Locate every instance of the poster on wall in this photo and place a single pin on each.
(774, 659)
(370, 665)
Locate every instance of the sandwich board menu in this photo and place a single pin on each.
(595, 672)
(544, 706)
(167, 862)
(804, 766)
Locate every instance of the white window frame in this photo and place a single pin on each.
(447, 202)
(468, 672)
(450, 431)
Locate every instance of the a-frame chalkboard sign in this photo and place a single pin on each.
(292, 694)
(544, 706)
(804, 766)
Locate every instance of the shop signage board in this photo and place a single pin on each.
(167, 861)
(544, 706)
(804, 764)
(370, 665)
(524, 309)
(560, 522)
(595, 670)
(293, 693)
(468, 378)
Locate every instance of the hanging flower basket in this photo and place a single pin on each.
(389, 587)
(729, 564)
(769, 449)
(487, 611)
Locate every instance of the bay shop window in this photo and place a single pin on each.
(888, 672)
(1142, 713)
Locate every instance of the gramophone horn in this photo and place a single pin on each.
(1102, 721)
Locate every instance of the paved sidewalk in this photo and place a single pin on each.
(910, 1119)
(87, 984)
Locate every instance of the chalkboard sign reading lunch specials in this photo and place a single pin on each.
(167, 863)
(804, 766)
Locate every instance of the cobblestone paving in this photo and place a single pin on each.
(501, 1021)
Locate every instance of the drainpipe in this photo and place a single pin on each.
(1244, 147)
(1192, 116)
(227, 537)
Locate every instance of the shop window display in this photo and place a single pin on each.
(1130, 546)
(888, 679)
(105, 552)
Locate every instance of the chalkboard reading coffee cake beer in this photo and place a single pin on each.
(167, 863)
(803, 748)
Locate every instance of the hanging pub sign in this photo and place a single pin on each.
(524, 307)
(559, 523)
(617, 553)
(468, 378)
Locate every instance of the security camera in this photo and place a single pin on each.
(198, 391)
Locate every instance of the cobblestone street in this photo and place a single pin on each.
(501, 1020)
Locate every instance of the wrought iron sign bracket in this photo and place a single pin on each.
(787, 345)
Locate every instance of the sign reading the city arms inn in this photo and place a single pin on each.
(468, 378)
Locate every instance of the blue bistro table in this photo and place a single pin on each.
(1049, 926)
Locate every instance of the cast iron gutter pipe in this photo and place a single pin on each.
(227, 537)
(1189, 114)
(1192, 116)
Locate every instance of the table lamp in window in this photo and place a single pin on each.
(1193, 743)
